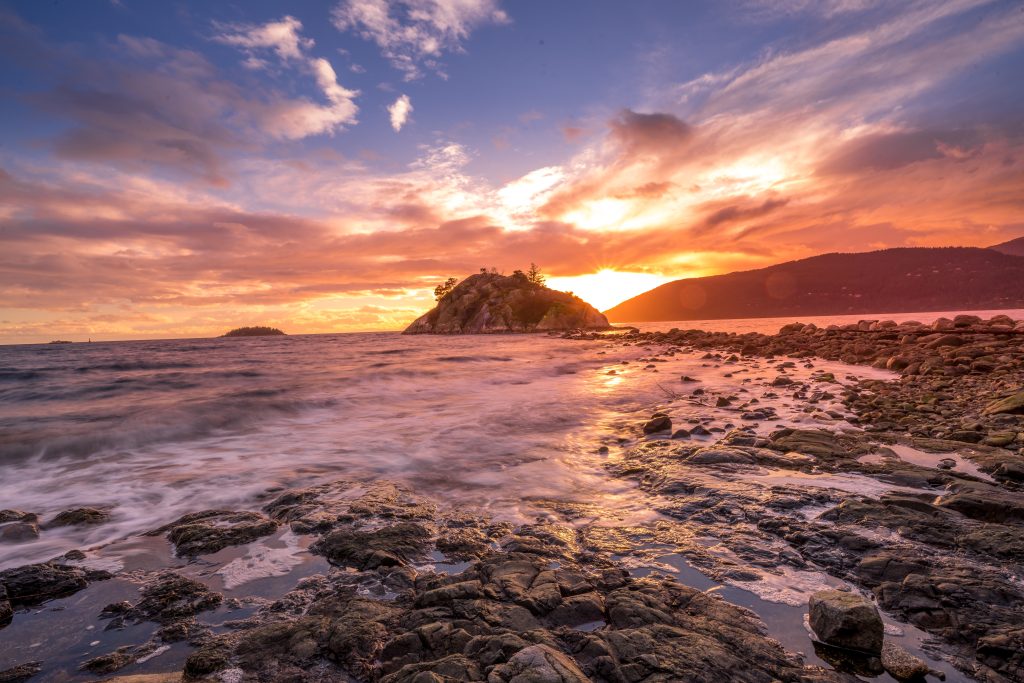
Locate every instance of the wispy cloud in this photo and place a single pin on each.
(399, 112)
(297, 118)
(415, 34)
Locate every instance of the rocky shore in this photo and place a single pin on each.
(884, 516)
(947, 555)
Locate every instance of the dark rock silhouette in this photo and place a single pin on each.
(258, 331)
(492, 303)
(890, 280)
(1012, 247)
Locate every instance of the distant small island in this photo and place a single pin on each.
(60, 341)
(258, 331)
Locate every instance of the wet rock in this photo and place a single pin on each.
(387, 547)
(850, 662)
(1011, 405)
(846, 620)
(538, 664)
(658, 423)
(945, 340)
(207, 532)
(35, 583)
(985, 502)
(19, 532)
(17, 516)
(110, 662)
(714, 455)
(21, 672)
(966, 436)
(6, 610)
(171, 596)
(1000, 439)
(207, 660)
(782, 381)
(807, 441)
(78, 517)
(902, 665)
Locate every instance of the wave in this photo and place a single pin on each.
(125, 366)
(472, 359)
(15, 375)
(89, 436)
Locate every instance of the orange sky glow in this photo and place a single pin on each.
(804, 149)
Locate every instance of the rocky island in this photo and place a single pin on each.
(488, 303)
(257, 331)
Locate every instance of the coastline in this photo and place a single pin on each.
(420, 589)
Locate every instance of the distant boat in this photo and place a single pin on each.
(60, 341)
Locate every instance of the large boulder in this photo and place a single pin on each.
(846, 620)
(492, 303)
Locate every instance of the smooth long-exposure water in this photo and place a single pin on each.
(508, 427)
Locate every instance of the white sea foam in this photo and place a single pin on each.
(275, 557)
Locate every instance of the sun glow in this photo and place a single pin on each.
(607, 287)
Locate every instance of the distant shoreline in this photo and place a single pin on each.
(682, 324)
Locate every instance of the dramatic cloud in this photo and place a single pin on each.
(414, 34)
(838, 142)
(399, 112)
(297, 118)
(283, 37)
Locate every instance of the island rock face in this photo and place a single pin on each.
(491, 303)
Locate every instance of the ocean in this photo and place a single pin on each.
(151, 430)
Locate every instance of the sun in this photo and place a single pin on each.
(607, 287)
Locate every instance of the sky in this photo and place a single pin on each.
(177, 169)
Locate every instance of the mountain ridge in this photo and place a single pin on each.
(882, 281)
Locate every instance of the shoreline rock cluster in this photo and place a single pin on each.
(950, 559)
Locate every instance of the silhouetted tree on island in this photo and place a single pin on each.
(535, 276)
(442, 290)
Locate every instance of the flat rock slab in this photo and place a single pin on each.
(207, 532)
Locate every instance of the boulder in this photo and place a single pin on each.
(171, 597)
(843, 619)
(18, 532)
(36, 583)
(387, 547)
(16, 516)
(78, 517)
(201, 533)
(658, 423)
(902, 665)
